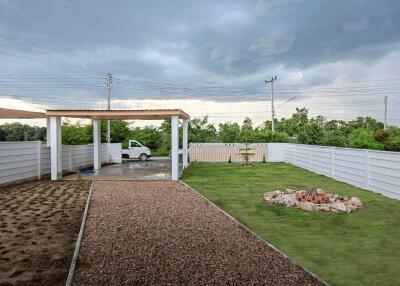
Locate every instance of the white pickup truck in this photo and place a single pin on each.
(136, 151)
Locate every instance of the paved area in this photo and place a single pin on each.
(162, 233)
(158, 168)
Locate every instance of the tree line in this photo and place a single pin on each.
(363, 132)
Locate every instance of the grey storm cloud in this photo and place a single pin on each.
(230, 43)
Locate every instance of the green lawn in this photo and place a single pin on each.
(361, 248)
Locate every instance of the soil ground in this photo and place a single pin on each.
(162, 233)
(39, 223)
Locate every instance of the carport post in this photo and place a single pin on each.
(96, 144)
(174, 148)
(55, 149)
(185, 127)
(48, 135)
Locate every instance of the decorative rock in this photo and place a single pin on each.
(269, 199)
(296, 199)
(341, 207)
(324, 207)
(351, 208)
(355, 202)
(307, 206)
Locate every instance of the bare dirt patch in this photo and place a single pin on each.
(162, 233)
(39, 222)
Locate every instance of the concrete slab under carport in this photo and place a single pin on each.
(157, 168)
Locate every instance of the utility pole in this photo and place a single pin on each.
(272, 102)
(108, 90)
(385, 124)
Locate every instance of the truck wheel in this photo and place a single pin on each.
(143, 157)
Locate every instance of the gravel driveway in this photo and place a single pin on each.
(162, 233)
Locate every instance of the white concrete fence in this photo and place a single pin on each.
(377, 171)
(28, 160)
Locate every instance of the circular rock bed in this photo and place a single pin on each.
(313, 200)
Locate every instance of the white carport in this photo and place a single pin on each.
(97, 115)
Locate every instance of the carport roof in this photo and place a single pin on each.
(6, 113)
(145, 114)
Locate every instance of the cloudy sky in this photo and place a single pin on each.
(337, 58)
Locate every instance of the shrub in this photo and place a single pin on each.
(311, 134)
(381, 135)
(335, 139)
(268, 137)
(364, 139)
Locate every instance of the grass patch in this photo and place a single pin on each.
(361, 248)
(159, 152)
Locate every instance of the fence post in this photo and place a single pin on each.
(333, 162)
(70, 158)
(367, 169)
(39, 159)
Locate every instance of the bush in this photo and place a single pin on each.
(311, 134)
(364, 139)
(268, 137)
(381, 135)
(393, 144)
(335, 139)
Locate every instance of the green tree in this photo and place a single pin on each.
(311, 134)
(21, 132)
(247, 131)
(200, 130)
(119, 131)
(229, 132)
(267, 137)
(149, 136)
(75, 134)
(335, 138)
(368, 123)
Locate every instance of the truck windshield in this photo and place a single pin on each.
(135, 144)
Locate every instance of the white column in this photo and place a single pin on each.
(174, 148)
(55, 126)
(185, 127)
(48, 134)
(96, 144)
(59, 149)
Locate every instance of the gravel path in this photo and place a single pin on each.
(162, 233)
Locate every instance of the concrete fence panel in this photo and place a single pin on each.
(19, 160)
(377, 171)
(31, 159)
(221, 152)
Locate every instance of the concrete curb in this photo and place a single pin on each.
(255, 234)
(78, 242)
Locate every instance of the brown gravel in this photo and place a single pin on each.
(162, 233)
